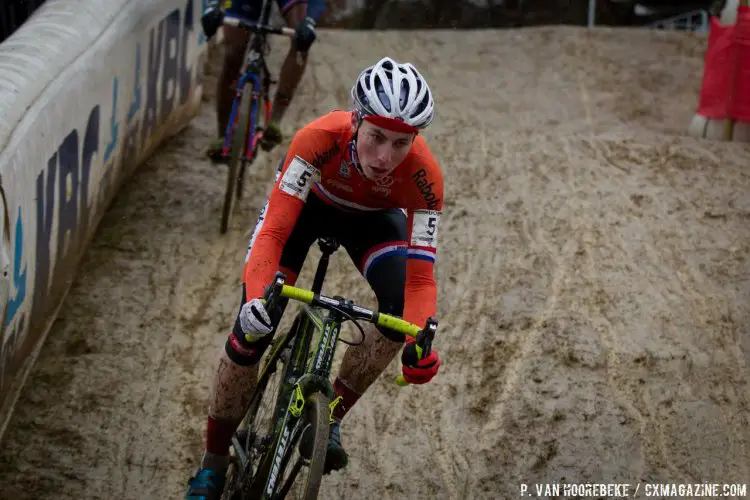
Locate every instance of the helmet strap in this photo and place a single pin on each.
(354, 159)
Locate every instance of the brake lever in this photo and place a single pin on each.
(273, 292)
(427, 335)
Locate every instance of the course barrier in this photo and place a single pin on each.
(88, 90)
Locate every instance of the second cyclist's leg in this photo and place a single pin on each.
(292, 69)
(235, 42)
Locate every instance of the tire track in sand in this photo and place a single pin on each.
(561, 259)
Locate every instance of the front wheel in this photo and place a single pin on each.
(310, 470)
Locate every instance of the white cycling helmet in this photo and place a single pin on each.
(394, 96)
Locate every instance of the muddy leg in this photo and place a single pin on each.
(230, 395)
(361, 366)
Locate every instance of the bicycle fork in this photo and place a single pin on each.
(315, 379)
(286, 436)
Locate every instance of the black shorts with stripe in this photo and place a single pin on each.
(376, 244)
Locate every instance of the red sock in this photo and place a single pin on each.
(349, 398)
(219, 436)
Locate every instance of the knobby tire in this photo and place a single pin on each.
(317, 413)
(239, 140)
(232, 492)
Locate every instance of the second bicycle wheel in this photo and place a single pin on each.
(239, 141)
(255, 434)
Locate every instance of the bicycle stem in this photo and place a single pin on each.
(423, 338)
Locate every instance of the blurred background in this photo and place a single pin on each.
(467, 14)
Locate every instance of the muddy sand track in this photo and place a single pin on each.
(593, 270)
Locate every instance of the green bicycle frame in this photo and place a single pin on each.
(307, 371)
(301, 379)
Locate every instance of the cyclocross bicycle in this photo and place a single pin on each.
(252, 88)
(302, 400)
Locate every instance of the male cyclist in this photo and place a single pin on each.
(367, 178)
(301, 15)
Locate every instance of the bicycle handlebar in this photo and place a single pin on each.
(257, 27)
(423, 336)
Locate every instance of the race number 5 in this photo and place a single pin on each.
(424, 230)
(296, 180)
(303, 178)
(432, 225)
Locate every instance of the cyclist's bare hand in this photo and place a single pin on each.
(419, 366)
(254, 320)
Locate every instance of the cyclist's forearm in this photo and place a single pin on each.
(420, 294)
(265, 254)
(261, 266)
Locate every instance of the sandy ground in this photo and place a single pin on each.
(593, 273)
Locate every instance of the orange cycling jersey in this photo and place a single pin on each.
(319, 160)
